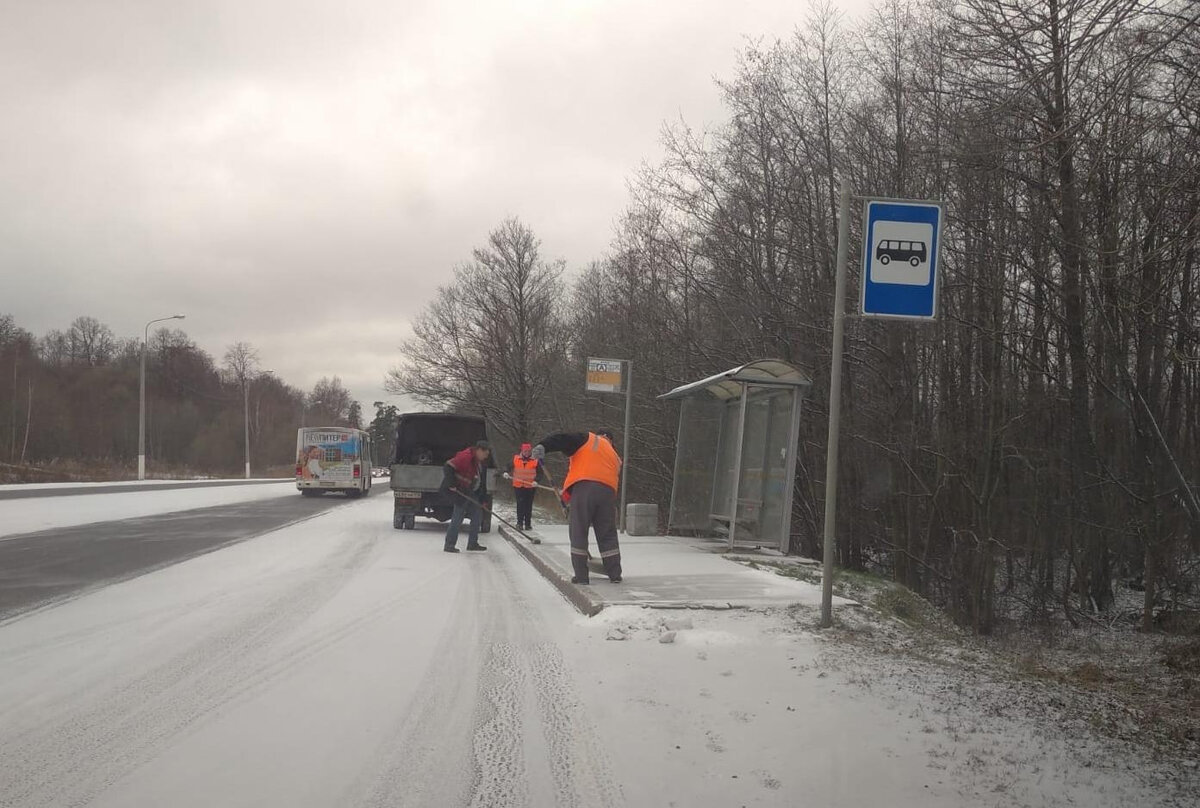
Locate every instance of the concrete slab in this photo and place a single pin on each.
(662, 572)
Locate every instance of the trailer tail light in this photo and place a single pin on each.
(299, 469)
(357, 471)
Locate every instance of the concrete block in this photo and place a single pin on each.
(641, 519)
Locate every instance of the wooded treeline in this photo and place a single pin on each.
(1043, 436)
(69, 400)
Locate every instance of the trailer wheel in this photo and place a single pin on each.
(411, 522)
(399, 521)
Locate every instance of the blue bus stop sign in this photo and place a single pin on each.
(900, 259)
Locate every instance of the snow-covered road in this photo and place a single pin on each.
(337, 662)
(340, 663)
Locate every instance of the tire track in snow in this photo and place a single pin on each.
(427, 759)
(491, 690)
(500, 776)
(580, 767)
(71, 761)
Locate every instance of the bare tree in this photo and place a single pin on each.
(493, 341)
(1045, 426)
(241, 363)
(330, 402)
(90, 342)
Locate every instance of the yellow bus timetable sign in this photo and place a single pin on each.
(604, 375)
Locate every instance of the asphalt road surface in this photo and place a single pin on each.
(47, 566)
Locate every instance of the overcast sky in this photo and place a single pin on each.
(303, 175)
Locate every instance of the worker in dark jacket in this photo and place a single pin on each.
(591, 487)
(465, 479)
(525, 473)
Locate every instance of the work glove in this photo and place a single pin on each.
(539, 452)
(507, 476)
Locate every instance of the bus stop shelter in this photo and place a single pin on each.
(735, 458)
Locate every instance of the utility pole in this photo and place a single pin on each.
(246, 394)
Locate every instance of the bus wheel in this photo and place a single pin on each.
(885, 259)
(915, 261)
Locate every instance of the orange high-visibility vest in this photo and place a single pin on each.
(596, 460)
(524, 472)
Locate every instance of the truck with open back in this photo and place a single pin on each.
(424, 442)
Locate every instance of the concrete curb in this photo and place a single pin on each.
(119, 488)
(576, 595)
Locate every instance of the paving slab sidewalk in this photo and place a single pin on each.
(662, 572)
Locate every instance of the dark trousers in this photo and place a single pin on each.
(594, 506)
(462, 509)
(524, 506)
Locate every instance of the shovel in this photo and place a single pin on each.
(482, 507)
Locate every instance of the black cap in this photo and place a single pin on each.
(483, 445)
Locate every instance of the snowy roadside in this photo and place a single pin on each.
(756, 708)
(40, 513)
(895, 706)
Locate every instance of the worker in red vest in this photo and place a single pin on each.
(591, 486)
(464, 484)
(526, 472)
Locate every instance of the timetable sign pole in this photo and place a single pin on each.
(615, 376)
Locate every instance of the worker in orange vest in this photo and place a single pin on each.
(526, 473)
(591, 487)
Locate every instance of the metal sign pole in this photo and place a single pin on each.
(835, 405)
(625, 451)
(735, 484)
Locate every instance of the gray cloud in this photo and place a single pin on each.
(303, 175)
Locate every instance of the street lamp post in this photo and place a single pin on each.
(246, 392)
(142, 396)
